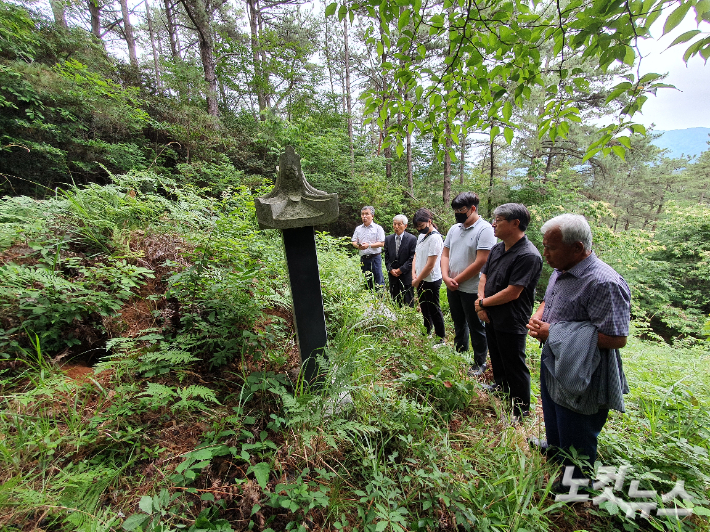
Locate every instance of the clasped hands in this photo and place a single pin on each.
(451, 283)
(538, 329)
(482, 314)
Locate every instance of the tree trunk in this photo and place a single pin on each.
(58, 12)
(223, 94)
(348, 97)
(326, 51)
(95, 13)
(264, 59)
(462, 165)
(258, 78)
(198, 13)
(387, 151)
(549, 164)
(447, 167)
(410, 173)
(343, 104)
(156, 63)
(210, 66)
(490, 184)
(385, 95)
(374, 136)
(658, 211)
(128, 34)
(172, 32)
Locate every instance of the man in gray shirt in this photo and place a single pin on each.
(466, 249)
(369, 238)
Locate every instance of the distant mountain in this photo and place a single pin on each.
(691, 141)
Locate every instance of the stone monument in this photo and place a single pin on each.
(294, 207)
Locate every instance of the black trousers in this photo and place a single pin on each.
(400, 292)
(428, 293)
(510, 371)
(466, 323)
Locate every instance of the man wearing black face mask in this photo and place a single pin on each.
(466, 249)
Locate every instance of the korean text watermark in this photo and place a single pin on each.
(610, 479)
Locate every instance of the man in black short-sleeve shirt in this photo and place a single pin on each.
(508, 281)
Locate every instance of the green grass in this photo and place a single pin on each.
(202, 422)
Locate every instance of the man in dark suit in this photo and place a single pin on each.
(399, 252)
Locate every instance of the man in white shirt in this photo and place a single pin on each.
(369, 238)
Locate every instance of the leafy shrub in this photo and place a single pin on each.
(60, 122)
(216, 177)
(46, 303)
(18, 39)
(668, 271)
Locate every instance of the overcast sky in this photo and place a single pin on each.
(689, 106)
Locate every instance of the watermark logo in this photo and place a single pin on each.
(610, 479)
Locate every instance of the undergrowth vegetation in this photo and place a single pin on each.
(150, 382)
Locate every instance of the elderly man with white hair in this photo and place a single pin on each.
(584, 321)
(399, 254)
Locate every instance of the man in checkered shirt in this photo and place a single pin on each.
(582, 290)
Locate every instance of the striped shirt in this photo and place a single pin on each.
(589, 291)
(592, 292)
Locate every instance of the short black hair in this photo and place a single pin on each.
(514, 211)
(465, 199)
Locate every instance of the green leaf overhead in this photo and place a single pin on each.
(493, 50)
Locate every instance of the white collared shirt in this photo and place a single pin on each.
(369, 234)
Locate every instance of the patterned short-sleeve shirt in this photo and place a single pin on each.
(589, 291)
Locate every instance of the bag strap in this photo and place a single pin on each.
(433, 231)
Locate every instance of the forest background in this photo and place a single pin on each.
(147, 360)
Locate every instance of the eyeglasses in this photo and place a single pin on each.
(461, 210)
(498, 220)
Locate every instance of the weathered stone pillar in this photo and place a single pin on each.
(294, 207)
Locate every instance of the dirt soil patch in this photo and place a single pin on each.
(78, 372)
(19, 254)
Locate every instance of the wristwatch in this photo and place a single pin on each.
(480, 303)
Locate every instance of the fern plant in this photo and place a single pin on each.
(167, 357)
(192, 397)
(47, 303)
(41, 301)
